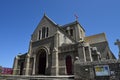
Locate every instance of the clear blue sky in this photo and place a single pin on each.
(19, 18)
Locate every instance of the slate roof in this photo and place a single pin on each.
(100, 41)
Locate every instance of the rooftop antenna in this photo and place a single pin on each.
(118, 44)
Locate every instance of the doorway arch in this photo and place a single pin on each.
(41, 62)
(69, 65)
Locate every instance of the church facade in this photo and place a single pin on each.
(53, 49)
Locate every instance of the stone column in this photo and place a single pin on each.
(81, 53)
(55, 63)
(76, 33)
(55, 66)
(88, 52)
(27, 69)
(84, 53)
(79, 35)
(27, 65)
(15, 67)
(34, 65)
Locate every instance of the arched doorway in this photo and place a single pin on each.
(42, 62)
(69, 65)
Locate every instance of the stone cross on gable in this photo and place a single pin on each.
(118, 44)
(76, 17)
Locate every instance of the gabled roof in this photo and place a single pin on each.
(55, 25)
(45, 16)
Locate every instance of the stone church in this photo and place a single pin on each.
(53, 49)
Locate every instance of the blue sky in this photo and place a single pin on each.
(19, 18)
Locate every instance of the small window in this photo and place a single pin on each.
(47, 32)
(43, 32)
(71, 32)
(39, 35)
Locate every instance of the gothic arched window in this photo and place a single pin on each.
(47, 31)
(39, 34)
(71, 32)
(43, 32)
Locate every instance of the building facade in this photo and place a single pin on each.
(53, 49)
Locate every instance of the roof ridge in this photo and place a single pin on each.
(69, 23)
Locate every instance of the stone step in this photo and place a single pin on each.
(36, 77)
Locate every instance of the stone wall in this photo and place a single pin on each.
(86, 70)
